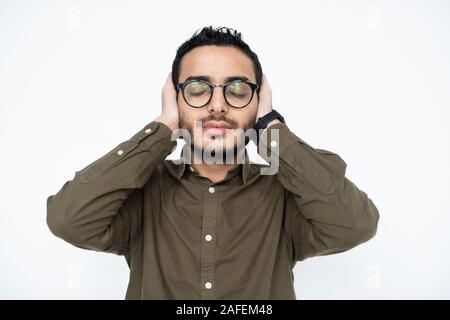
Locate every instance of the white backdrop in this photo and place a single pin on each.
(368, 80)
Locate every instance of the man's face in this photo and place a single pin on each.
(218, 63)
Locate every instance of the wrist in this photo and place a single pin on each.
(172, 124)
(260, 115)
(271, 123)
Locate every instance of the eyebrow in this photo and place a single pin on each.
(209, 79)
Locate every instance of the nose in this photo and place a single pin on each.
(217, 104)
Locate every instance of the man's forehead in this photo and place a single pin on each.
(216, 63)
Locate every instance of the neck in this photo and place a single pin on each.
(217, 171)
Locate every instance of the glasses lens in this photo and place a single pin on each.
(197, 93)
(238, 93)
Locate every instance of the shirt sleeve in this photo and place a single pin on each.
(101, 207)
(325, 212)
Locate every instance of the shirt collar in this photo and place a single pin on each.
(247, 170)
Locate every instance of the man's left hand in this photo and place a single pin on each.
(265, 100)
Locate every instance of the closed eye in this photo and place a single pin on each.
(237, 95)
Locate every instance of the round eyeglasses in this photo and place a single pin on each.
(198, 93)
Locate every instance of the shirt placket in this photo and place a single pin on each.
(208, 242)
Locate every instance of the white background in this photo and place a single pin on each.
(369, 80)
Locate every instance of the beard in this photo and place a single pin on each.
(221, 153)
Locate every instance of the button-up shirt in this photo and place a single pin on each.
(186, 237)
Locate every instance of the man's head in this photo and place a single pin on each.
(217, 57)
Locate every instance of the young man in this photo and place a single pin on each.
(213, 229)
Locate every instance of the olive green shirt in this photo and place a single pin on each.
(185, 237)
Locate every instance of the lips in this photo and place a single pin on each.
(216, 125)
(217, 128)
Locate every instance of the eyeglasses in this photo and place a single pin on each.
(198, 93)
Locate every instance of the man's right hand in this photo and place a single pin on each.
(169, 115)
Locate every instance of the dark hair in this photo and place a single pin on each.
(221, 36)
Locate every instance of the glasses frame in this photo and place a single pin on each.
(182, 86)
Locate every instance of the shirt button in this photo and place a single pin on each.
(120, 152)
(208, 285)
(208, 237)
(211, 190)
(148, 130)
(273, 143)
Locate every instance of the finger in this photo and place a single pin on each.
(265, 81)
(170, 82)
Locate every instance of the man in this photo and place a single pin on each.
(213, 230)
